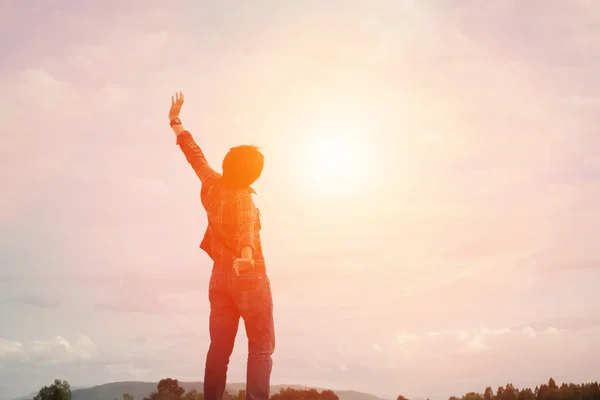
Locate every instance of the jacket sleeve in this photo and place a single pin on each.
(195, 157)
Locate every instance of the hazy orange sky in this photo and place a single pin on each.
(458, 248)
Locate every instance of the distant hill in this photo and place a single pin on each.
(139, 390)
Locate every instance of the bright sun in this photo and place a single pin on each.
(332, 162)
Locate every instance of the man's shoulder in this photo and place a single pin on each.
(241, 199)
(215, 179)
(245, 193)
(212, 190)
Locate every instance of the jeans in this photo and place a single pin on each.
(247, 296)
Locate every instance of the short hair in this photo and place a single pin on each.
(242, 166)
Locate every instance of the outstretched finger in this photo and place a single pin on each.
(181, 97)
(172, 101)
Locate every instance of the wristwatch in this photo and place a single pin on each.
(175, 121)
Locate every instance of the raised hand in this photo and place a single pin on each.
(176, 103)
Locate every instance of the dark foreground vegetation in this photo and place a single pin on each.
(169, 389)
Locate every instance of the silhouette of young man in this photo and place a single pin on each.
(239, 285)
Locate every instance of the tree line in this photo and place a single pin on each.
(545, 391)
(169, 389)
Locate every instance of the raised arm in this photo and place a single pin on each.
(187, 144)
(194, 156)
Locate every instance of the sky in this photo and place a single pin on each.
(453, 244)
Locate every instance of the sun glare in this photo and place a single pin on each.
(333, 161)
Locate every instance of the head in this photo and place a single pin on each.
(242, 166)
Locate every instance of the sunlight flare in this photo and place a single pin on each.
(335, 159)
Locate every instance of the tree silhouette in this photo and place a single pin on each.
(305, 394)
(546, 391)
(526, 394)
(472, 396)
(170, 385)
(193, 395)
(241, 395)
(59, 390)
(167, 389)
(329, 395)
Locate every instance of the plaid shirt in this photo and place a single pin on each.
(233, 219)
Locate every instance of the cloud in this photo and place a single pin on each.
(154, 295)
(29, 365)
(54, 351)
(36, 301)
(477, 344)
(404, 338)
(485, 356)
(154, 304)
(529, 331)
(10, 349)
(141, 340)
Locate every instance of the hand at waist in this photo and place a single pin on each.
(243, 265)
